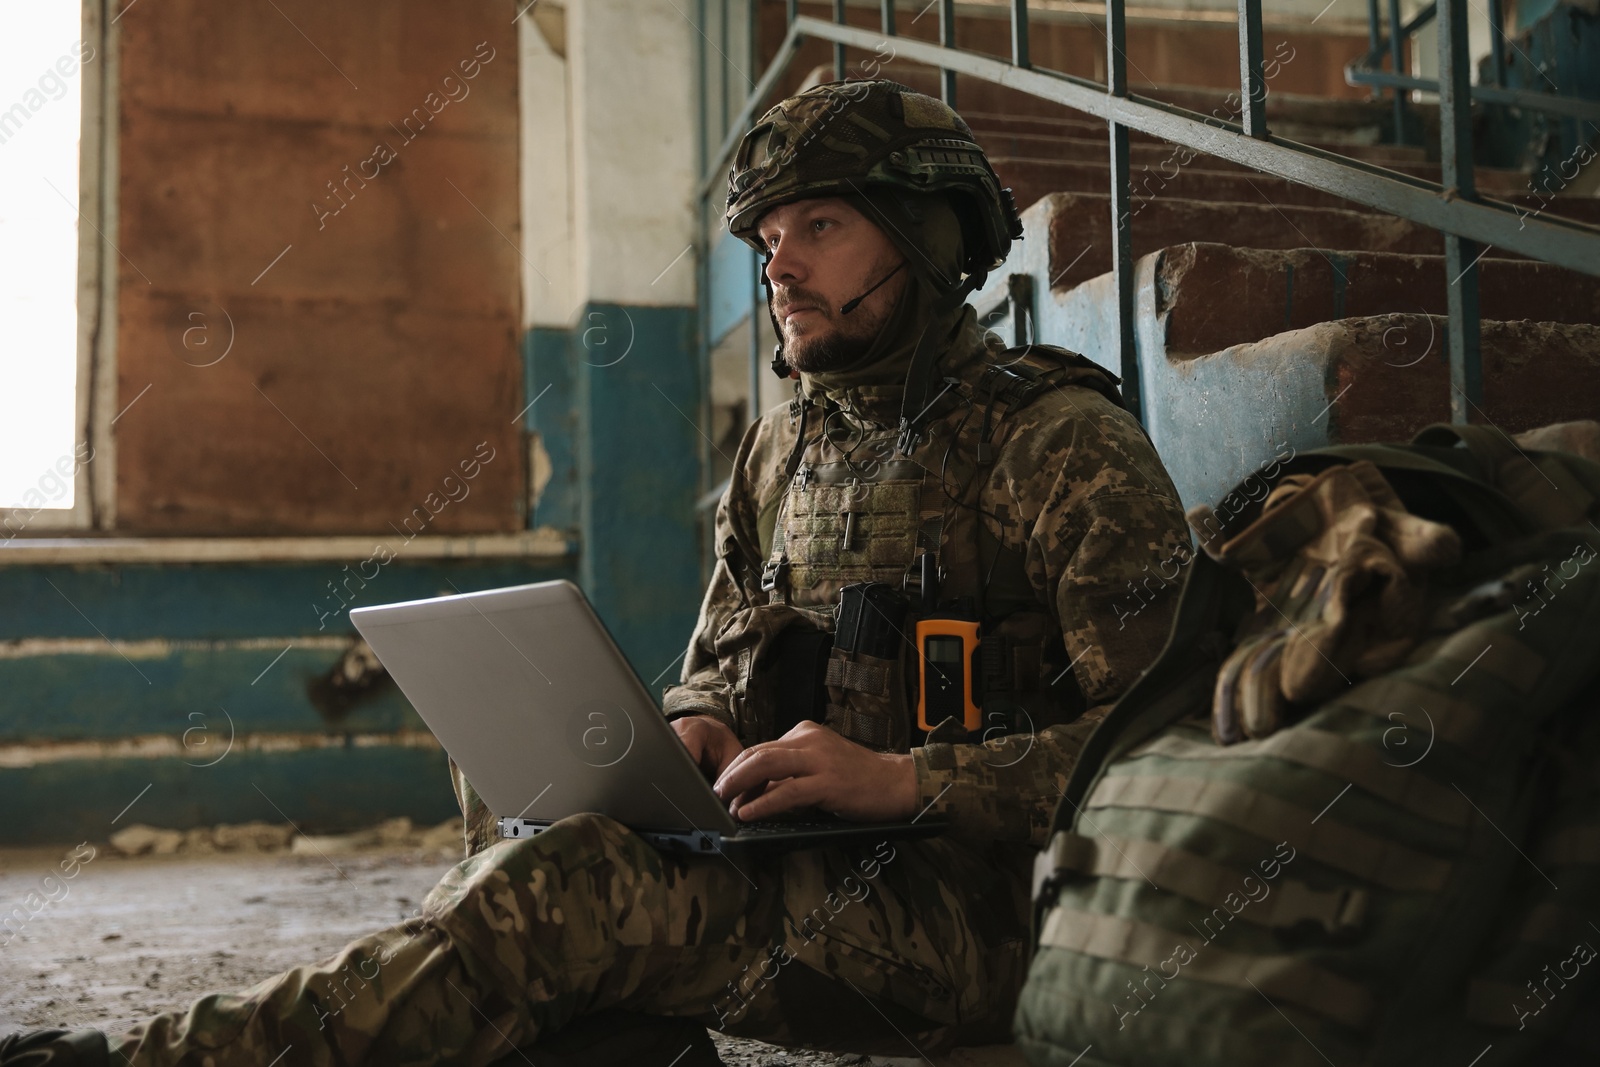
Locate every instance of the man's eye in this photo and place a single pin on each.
(820, 224)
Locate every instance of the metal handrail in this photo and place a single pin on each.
(1468, 222)
(1368, 70)
(1527, 99)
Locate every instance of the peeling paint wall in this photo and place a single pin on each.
(318, 285)
(186, 694)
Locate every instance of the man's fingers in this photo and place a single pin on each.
(724, 757)
(775, 799)
(762, 763)
(745, 754)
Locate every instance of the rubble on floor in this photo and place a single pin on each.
(139, 839)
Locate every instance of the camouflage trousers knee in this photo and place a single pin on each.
(898, 947)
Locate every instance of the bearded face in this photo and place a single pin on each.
(825, 254)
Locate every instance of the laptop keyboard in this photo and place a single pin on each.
(787, 826)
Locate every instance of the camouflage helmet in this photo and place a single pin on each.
(841, 137)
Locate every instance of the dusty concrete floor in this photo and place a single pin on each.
(128, 938)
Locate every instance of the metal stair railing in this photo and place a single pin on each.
(1368, 69)
(1470, 223)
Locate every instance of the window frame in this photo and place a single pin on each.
(94, 389)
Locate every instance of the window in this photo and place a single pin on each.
(44, 60)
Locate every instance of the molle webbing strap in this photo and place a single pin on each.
(773, 577)
(1285, 978)
(868, 678)
(1337, 756)
(1287, 902)
(1499, 655)
(1455, 722)
(1541, 485)
(1265, 816)
(868, 728)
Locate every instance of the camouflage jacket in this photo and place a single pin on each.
(1055, 510)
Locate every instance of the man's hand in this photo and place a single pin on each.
(812, 766)
(709, 741)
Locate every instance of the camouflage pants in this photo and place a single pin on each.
(896, 947)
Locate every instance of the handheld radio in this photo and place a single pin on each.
(947, 660)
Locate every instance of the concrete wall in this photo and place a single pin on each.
(611, 344)
(324, 195)
(516, 280)
(205, 693)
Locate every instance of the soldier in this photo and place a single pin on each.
(1002, 498)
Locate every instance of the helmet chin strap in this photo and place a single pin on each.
(915, 402)
(780, 366)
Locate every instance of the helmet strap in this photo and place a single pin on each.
(915, 404)
(780, 366)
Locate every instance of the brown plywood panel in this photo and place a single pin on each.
(380, 318)
(333, 417)
(355, 62)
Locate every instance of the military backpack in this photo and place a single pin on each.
(1351, 815)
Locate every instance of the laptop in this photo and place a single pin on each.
(529, 694)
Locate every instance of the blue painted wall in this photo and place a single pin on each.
(205, 680)
(638, 400)
(617, 410)
(553, 415)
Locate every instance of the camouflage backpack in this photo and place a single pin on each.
(1351, 814)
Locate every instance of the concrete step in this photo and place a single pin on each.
(1217, 417)
(1076, 230)
(1032, 179)
(1212, 296)
(1534, 374)
(1163, 159)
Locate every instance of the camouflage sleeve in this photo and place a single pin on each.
(1105, 541)
(701, 689)
(735, 584)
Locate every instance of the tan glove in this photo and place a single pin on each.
(1339, 571)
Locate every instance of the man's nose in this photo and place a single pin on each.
(787, 266)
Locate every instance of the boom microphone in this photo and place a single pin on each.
(852, 305)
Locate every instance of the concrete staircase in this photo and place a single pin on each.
(1270, 316)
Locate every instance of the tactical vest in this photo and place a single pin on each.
(1296, 840)
(857, 509)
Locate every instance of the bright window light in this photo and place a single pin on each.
(41, 78)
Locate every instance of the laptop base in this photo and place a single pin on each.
(771, 834)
